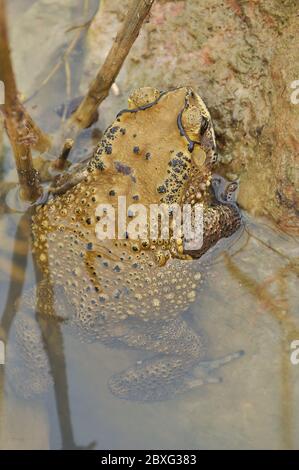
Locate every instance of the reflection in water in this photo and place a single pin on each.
(275, 303)
(53, 345)
(280, 310)
(19, 261)
(50, 329)
(18, 265)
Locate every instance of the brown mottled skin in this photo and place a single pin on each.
(133, 292)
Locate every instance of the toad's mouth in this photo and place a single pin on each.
(225, 192)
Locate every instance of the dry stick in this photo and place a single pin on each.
(121, 47)
(99, 88)
(21, 129)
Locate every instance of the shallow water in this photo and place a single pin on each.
(248, 301)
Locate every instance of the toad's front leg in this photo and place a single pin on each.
(221, 219)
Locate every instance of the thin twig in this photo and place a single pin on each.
(99, 88)
(23, 133)
(64, 57)
(59, 163)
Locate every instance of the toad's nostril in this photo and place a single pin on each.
(204, 125)
(233, 186)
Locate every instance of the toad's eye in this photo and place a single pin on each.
(204, 125)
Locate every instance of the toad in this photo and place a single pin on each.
(124, 291)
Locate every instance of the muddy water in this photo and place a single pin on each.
(248, 301)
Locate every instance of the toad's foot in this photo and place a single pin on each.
(202, 372)
(162, 378)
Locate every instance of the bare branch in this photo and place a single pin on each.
(99, 88)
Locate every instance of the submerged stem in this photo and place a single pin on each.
(23, 133)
